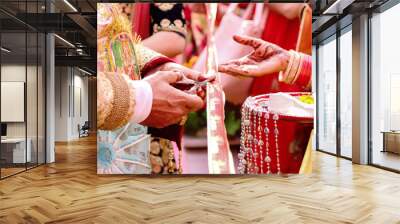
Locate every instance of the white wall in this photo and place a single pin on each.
(33, 127)
(14, 73)
(62, 81)
(71, 102)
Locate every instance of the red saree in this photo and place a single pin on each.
(283, 32)
(141, 19)
(286, 33)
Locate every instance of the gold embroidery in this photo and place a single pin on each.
(117, 28)
(146, 55)
(117, 24)
(104, 99)
(165, 6)
(165, 23)
(178, 23)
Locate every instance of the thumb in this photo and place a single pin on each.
(191, 101)
(249, 41)
(194, 102)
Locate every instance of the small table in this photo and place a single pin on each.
(391, 141)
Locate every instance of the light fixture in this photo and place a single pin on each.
(84, 71)
(64, 40)
(5, 50)
(70, 5)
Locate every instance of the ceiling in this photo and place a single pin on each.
(331, 15)
(72, 20)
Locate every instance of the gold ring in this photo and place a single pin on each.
(183, 120)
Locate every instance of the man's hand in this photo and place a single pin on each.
(187, 72)
(169, 105)
(267, 58)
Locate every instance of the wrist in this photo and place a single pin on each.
(292, 60)
(285, 58)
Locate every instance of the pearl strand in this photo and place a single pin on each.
(255, 142)
(276, 132)
(242, 143)
(260, 141)
(267, 157)
(249, 139)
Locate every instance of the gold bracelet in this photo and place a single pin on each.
(105, 105)
(294, 68)
(299, 68)
(284, 74)
(121, 105)
(132, 99)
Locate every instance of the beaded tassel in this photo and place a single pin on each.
(253, 146)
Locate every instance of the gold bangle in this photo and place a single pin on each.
(183, 120)
(132, 99)
(294, 68)
(121, 110)
(299, 68)
(283, 75)
(104, 106)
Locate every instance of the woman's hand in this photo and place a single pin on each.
(267, 58)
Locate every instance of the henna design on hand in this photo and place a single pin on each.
(266, 58)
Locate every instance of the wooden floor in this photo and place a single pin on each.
(69, 191)
(387, 159)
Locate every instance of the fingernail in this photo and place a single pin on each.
(201, 78)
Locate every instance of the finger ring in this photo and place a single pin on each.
(183, 120)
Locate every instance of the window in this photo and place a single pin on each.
(22, 77)
(385, 89)
(327, 95)
(345, 93)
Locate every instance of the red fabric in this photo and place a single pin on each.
(294, 133)
(284, 33)
(141, 19)
(293, 138)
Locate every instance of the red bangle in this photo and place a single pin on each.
(303, 80)
(307, 72)
(283, 75)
